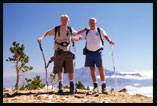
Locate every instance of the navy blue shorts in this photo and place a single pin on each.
(94, 58)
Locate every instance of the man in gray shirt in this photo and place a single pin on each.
(63, 58)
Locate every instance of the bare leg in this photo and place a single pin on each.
(102, 74)
(93, 74)
(71, 75)
(95, 84)
(102, 77)
(60, 82)
(59, 76)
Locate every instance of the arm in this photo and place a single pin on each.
(81, 31)
(76, 39)
(109, 40)
(79, 38)
(43, 36)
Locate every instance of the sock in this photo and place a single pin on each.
(71, 80)
(103, 82)
(61, 81)
(94, 81)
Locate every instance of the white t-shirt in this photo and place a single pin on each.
(62, 38)
(93, 39)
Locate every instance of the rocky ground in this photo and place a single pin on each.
(42, 96)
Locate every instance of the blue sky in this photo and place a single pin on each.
(129, 25)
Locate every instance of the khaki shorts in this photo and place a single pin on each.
(61, 61)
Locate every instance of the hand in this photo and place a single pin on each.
(111, 42)
(39, 40)
(72, 39)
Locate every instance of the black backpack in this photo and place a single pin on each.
(85, 50)
(99, 35)
(57, 28)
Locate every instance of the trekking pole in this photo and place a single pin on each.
(113, 66)
(73, 44)
(45, 64)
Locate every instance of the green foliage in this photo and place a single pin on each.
(79, 85)
(28, 80)
(53, 76)
(22, 88)
(66, 87)
(33, 84)
(20, 58)
(88, 88)
(53, 79)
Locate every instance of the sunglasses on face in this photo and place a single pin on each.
(93, 23)
(64, 19)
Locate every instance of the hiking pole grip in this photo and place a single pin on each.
(111, 49)
(40, 47)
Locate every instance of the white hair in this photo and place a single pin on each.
(65, 15)
(92, 18)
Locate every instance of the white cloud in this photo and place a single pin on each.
(98, 77)
(144, 75)
(136, 84)
(147, 91)
(129, 77)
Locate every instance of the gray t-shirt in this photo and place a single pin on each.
(62, 38)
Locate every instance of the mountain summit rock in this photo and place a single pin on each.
(42, 96)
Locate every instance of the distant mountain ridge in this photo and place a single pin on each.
(82, 74)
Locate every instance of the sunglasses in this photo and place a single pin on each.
(64, 19)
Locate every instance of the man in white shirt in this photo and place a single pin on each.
(94, 45)
(63, 58)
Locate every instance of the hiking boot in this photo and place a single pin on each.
(60, 91)
(60, 87)
(95, 91)
(95, 86)
(103, 88)
(72, 87)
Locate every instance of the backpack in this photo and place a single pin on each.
(85, 50)
(57, 28)
(99, 35)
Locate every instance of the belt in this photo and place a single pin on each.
(64, 44)
(96, 50)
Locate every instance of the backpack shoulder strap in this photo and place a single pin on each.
(70, 29)
(57, 29)
(86, 38)
(87, 32)
(99, 31)
(100, 35)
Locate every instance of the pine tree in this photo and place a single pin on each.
(34, 84)
(20, 58)
(88, 88)
(79, 85)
